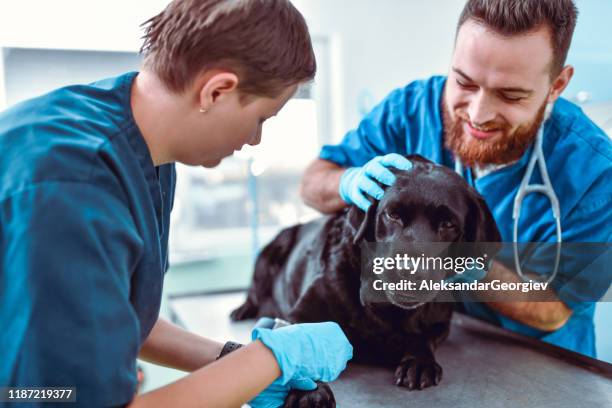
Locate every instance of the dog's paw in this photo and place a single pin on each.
(417, 373)
(322, 397)
(246, 311)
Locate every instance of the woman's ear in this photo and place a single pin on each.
(214, 86)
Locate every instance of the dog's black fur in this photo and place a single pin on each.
(311, 272)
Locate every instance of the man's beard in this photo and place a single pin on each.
(502, 149)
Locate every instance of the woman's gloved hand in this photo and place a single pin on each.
(272, 397)
(305, 353)
(356, 181)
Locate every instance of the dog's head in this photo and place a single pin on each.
(427, 204)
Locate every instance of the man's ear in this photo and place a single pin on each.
(214, 85)
(560, 83)
(362, 223)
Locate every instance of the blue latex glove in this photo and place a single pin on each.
(272, 397)
(358, 181)
(305, 353)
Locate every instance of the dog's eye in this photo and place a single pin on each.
(447, 225)
(393, 216)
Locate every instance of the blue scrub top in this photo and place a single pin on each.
(84, 219)
(578, 156)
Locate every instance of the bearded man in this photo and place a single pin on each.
(507, 72)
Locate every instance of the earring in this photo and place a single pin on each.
(202, 110)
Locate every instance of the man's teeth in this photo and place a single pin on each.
(483, 129)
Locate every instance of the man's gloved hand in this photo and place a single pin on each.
(305, 353)
(359, 180)
(470, 274)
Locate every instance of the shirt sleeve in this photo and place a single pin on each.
(380, 132)
(67, 250)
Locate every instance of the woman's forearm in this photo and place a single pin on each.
(172, 346)
(229, 382)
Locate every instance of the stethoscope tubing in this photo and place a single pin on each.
(546, 188)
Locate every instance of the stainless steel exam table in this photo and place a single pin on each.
(484, 366)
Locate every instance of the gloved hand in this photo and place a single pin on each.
(272, 397)
(359, 180)
(305, 353)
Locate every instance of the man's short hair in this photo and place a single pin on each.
(511, 17)
(265, 42)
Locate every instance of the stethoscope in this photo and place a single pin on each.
(546, 188)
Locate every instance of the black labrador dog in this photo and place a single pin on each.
(311, 273)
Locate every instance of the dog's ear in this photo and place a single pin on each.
(362, 223)
(480, 226)
(418, 158)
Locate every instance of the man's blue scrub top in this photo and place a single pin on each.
(84, 219)
(579, 159)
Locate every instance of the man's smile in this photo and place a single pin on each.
(479, 133)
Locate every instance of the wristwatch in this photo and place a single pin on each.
(229, 347)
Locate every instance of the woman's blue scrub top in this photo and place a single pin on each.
(84, 217)
(578, 156)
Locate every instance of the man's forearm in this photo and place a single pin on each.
(319, 187)
(543, 315)
(171, 346)
(546, 316)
